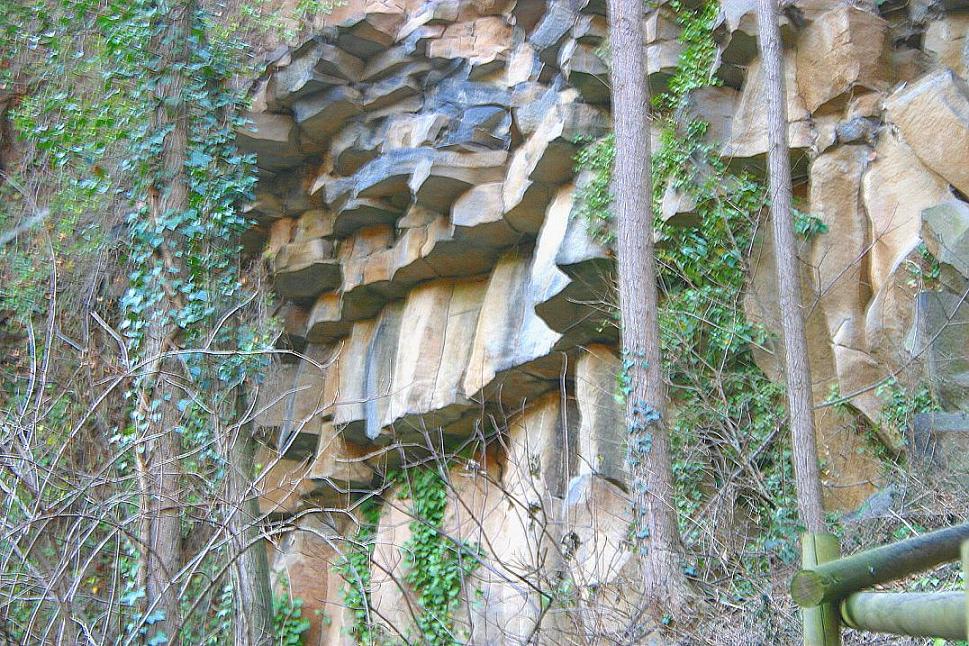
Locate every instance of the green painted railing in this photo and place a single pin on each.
(830, 589)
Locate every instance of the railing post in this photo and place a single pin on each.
(822, 626)
(965, 577)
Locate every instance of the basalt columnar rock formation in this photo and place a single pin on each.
(417, 202)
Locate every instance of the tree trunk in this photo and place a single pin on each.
(799, 394)
(254, 603)
(169, 194)
(650, 462)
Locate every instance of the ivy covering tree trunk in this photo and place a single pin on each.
(254, 601)
(798, 370)
(168, 197)
(649, 455)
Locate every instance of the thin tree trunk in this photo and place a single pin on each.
(169, 194)
(650, 462)
(799, 394)
(254, 604)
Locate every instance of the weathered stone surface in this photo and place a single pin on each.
(945, 229)
(602, 442)
(946, 42)
(306, 269)
(479, 127)
(739, 19)
(531, 102)
(910, 64)
(478, 215)
(839, 262)
(357, 213)
(303, 564)
(433, 178)
(315, 223)
(553, 29)
(320, 115)
(507, 506)
(326, 323)
(590, 29)
(315, 67)
(572, 303)
(353, 146)
(545, 160)
(933, 117)
(545, 276)
(599, 514)
(437, 181)
(265, 208)
(413, 130)
(716, 106)
(274, 138)
(851, 468)
(483, 42)
(600, 561)
(585, 71)
(678, 208)
(366, 366)
(394, 602)
(439, 319)
(368, 30)
(283, 485)
(509, 333)
(389, 92)
(897, 188)
(843, 50)
(748, 133)
(941, 440)
(539, 453)
(427, 160)
(941, 333)
(663, 48)
(455, 95)
(339, 466)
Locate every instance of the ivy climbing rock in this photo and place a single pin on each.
(434, 201)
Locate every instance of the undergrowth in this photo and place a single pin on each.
(732, 458)
(436, 566)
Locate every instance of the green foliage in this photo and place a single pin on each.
(902, 404)
(309, 8)
(595, 198)
(288, 621)
(354, 568)
(67, 131)
(436, 564)
(88, 77)
(808, 225)
(694, 68)
(924, 272)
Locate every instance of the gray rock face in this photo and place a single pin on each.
(305, 270)
(941, 440)
(945, 229)
(417, 207)
(941, 332)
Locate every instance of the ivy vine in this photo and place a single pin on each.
(436, 566)
(354, 568)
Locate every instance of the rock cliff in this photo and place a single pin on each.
(418, 205)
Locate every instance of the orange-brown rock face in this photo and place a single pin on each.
(417, 203)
